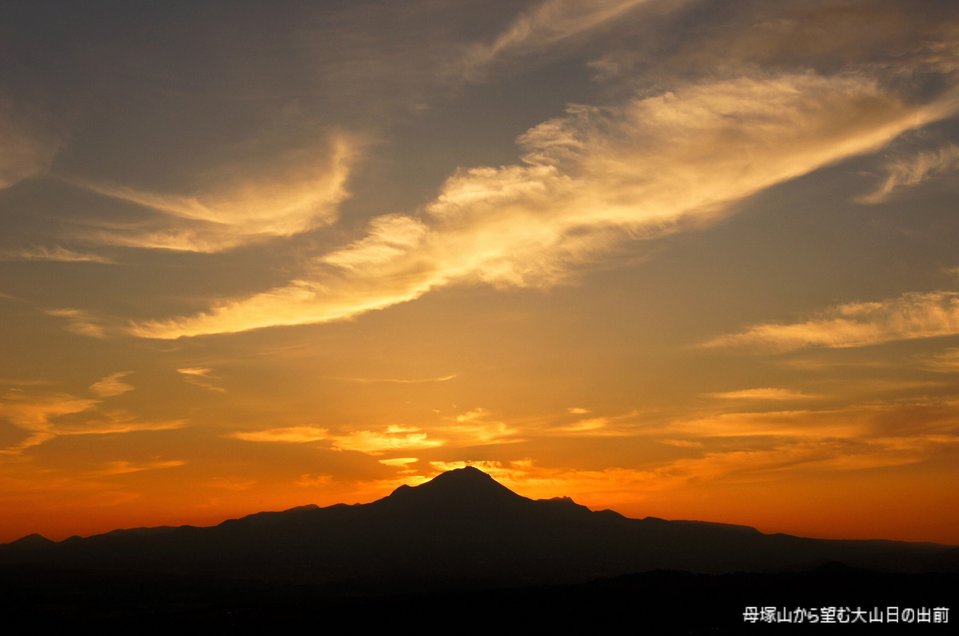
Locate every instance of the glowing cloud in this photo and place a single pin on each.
(44, 416)
(27, 150)
(80, 322)
(35, 414)
(912, 315)
(201, 377)
(911, 171)
(393, 438)
(243, 208)
(286, 435)
(126, 467)
(648, 168)
(112, 385)
(764, 393)
(56, 254)
(551, 23)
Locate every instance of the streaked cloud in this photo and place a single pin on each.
(590, 180)
(391, 439)
(285, 435)
(944, 362)
(54, 253)
(800, 424)
(589, 425)
(122, 467)
(911, 171)
(35, 414)
(118, 425)
(112, 385)
(44, 416)
(292, 194)
(399, 462)
(437, 379)
(374, 442)
(28, 149)
(762, 393)
(313, 480)
(910, 316)
(550, 23)
(231, 484)
(202, 377)
(80, 322)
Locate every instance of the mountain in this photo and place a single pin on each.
(460, 529)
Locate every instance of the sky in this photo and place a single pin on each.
(688, 259)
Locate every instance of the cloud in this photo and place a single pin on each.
(945, 362)
(55, 253)
(438, 379)
(112, 385)
(911, 171)
(399, 462)
(551, 23)
(201, 377)
(589, 180)
(300, 193)
(28, 150)
(35, 414)
(318, 480)
(285, 435)
(910, 316)
(576, 410)
(364, 441)
(46, 416)
(592, 425)
(80, 322)
(125, 467)
(763, 393)
(472, 428)
(117, 425)
(799, 424)
(393, 438)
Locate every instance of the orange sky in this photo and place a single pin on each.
(678, 258)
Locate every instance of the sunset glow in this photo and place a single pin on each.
(677, 258)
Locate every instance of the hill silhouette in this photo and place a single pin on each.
(462, 529)
(460, 550)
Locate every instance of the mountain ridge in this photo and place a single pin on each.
(465, 526)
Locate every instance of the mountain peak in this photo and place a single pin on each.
(466, 475)
(466, 485)
(32, 541)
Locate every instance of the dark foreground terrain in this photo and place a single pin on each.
(660, 602)
(463, 552)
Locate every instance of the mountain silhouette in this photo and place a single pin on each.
(460, 528)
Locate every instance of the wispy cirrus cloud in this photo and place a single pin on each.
(910, 316)
(123, 467)
(393, 438)
(762, 393)
(55, 253)
(374, 442)
(202, 377)
(550, 23)
(112, 385)
(911, 171)
(36, 414)
(945, 362)
(436, 380)
(284, 435)
(590, 180)
(44, 415)
(294, 193)
(28, 149)
(80, 322)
